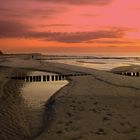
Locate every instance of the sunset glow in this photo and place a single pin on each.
(95, 26)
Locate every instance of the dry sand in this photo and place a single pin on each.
(101, 106)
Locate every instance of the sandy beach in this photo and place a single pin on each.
(99, 106)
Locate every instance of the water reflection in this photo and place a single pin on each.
(37, 93)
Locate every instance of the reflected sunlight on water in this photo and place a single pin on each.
(36, 94)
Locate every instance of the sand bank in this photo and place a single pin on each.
(132, 68)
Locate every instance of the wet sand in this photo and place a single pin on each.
(101, 106)
(13, 122)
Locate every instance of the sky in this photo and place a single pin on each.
(71, 26)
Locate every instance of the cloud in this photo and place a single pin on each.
(56, 25)
(112, 41)
(89, 15)
(10, 29)
(47, 12)
(78, 37)
(80, 2)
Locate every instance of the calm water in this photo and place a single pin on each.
(37, 93)
(100, 64)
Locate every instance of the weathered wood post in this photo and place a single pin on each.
(66, 76)
(63, 77)
(23, 78)
(132, 74)
(27, 78)
(60, 77)
(125, 73)
(19, 78)
(34, 78)
(138, 74)
(128, 73)
(44, 78)
(52, 77)
(56, 77)
(39, 78)
(48, 77)
(31, 79)
(12, 77)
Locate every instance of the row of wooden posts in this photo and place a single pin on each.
(137, 74)
(45, 78)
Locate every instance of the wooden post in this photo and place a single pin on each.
(125, 73)
(19, 78)
(128, 73)
(60, 77)
(22, 78)
(138, 74)
(63, 77)
(44, 78)
(12, 77)
(133, 73)
(27, 78)
(39, 78)
(56, 77)
(48, 77)
(52, 77)
(15, 77)
(31, 78)
(34, 78)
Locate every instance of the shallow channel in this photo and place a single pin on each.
(36, 94)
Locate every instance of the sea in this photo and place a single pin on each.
(100, 62)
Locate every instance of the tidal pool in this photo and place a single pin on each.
(36, 94)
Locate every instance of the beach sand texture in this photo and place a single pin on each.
(100, 106)
(13, 123)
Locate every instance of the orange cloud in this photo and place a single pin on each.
(10, 29)
(79, 2)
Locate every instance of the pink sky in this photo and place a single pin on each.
(100, 26)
